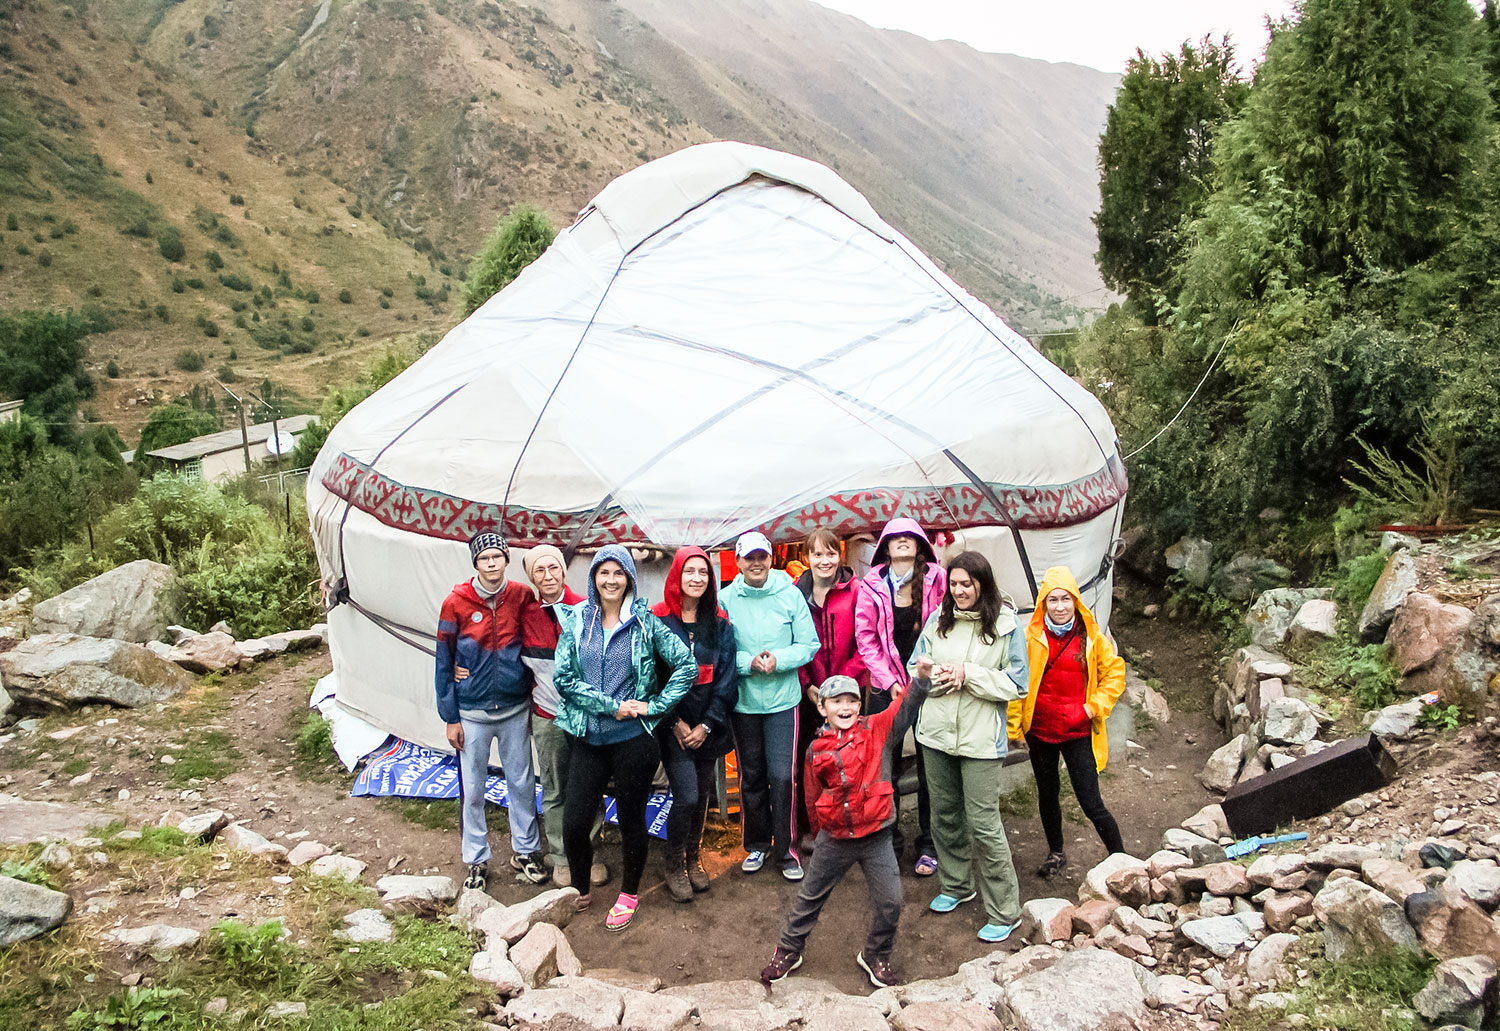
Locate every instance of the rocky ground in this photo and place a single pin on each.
(208, 865)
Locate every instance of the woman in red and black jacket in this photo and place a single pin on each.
(830, 590)
(696, 733)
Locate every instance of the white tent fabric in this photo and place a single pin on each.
(728, 338)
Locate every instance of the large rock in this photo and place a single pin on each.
(1460, 675)
(1146, 699)
(543, 954)
(1289, 721)
(576, 1008)
(651, 1011)
(53, 671)
(510, 923)
(1223, 766)
(22, 821)
(1284, 909)
(1397, 721)
(1478, 880)
(1486, 627)
(496, 969)
(1267, 961)
(1397, 581)
(1270, 618)
(1422, 629)
(1360, 922)
(1087, 990)
(6, 704)
(1096, 882)
(1316, 623)
(208, 653)
(1247, 576)
(243, 839)
(415, 892)
(1451, 925)
(1046, 920)
(128, 603)
(367, 925)
(259, 648)
(1193, 558)
(1222, 935)
(29, 910)
(159, 941)
(1209, 821)
(944, 1016)
(1461, 991)
(1341, 855)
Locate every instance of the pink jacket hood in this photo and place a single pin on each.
(875, 612)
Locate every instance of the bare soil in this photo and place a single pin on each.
(725, 934)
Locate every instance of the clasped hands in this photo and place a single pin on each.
(946, 678)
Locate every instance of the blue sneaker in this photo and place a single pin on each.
(753, 862)
(791, 868)
(993, 933)
(946, 903)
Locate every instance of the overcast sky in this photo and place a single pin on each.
(1101, 33)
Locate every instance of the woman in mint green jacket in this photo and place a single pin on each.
(774, 637)
(978, 649)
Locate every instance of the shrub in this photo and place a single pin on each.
(112, 370)
(11, 223)
(169, 242)
(236, 199)
(177, 286)
(44, 259)
(1357, 579)
(162, 313)
(190, 361)
(226, 374)
(215, 260)
(313, 297)
(263, 586)
(345, 297)
(517, 241)
(235, 281)
(210, 329)
(307, 324)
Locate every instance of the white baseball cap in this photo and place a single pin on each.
(751, 542)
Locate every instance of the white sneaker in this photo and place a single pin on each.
(753, 862)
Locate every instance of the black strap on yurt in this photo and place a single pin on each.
(994, 499)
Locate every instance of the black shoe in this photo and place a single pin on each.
(783, 962)
(879, 970)
(530, 868)
(1054, 863)
(478, 876)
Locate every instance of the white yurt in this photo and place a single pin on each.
(727, 338)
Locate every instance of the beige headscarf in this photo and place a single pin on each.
(528, 561)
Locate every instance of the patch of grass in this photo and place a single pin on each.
(1356, 579)
(315, 739)
(441, 814)
(1362, 996)
(1440, 717)
(1020, 803)
(1361, 672)
(207, 755)
(31, 873)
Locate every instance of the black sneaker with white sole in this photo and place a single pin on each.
(879, 970)
(477, 877)
(529, 868)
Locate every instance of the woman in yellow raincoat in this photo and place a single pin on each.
(1076, 676)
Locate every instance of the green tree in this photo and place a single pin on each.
(169, 242)
(173, 424)
(517, 241)
(41, 361)
(1373, 115)
(1491, 20)
(1154, 161)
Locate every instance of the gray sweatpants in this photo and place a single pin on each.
(511, 735)
(831, 859)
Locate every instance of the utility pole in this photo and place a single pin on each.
(244, 430)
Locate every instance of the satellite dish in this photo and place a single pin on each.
(280, 444)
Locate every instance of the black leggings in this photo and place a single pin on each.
(632, 764)
(1078, 754)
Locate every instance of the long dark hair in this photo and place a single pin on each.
(990, 600)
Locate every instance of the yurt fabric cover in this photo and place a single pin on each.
(728, 338)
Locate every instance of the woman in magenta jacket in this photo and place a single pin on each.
(904, 586)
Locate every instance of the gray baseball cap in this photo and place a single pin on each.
(837, 685)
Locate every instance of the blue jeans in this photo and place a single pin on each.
(512, 738)
(767, 748)
(691, 775)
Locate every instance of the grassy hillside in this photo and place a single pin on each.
(280, 189)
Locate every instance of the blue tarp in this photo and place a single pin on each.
(407, 770)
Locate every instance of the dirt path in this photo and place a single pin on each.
(725, 934)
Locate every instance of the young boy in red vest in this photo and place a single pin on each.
(850, 786)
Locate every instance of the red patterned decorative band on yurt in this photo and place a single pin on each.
(434, 514)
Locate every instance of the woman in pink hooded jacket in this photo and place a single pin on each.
(904, 586)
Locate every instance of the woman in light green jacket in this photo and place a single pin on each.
(978, 648)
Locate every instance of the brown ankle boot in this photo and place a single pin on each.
(678, 885)
(696, 875)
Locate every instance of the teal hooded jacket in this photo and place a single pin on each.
(773, 618)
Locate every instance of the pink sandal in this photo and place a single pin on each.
(622, 912)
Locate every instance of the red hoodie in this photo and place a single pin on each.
(838, 651)
(711, 698)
